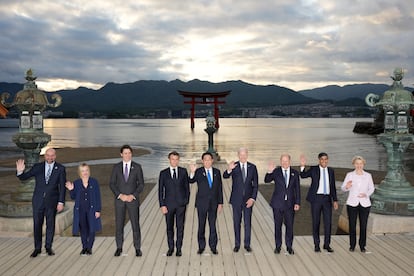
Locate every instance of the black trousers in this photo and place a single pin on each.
(39, 215)
(203, 214)
(176, 214)
(322, 205)
(362, 213)
(285, 216)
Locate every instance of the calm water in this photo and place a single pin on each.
(266, 139)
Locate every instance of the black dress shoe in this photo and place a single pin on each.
(352, 249)
(178, 253)
(35, 253)
(363, 250)
(277, 250)
(169, 252)
(248, 248)
(200, 251)
(83, 252)
(50, 252)
(290, 251)
(214, 251)
(236, 249)
(89, 251)
(118, 252)
(138, 253)
(317, 248)
(328, 248)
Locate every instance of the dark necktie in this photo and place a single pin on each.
(126, 172)
(243, 173)
(210, 181)
(174, 174)
(286, 178)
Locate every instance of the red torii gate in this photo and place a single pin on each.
(204, 98)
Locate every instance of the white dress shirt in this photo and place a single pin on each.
(320, 188)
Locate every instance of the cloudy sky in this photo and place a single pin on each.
(299, 44)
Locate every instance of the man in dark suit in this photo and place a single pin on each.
(243, 195)
(48, 197)
(321, 195)
(173, 195)
(209, 200)
(285, 200)
(127, 181)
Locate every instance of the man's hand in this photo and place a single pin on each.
(220, 207)
(296, 207)
(302, 159)
(97, 214)
(193, 167)
(271, 167)
(20, 166)
(60, 207)
(164, 210)
(335, 205)
(231, 166)
(249, 202)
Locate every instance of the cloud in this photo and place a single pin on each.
(298, 44)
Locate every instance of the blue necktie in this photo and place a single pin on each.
(210, 181)
(324, 182)
(243, 173)
(174, 174)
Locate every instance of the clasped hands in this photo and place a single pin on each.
(126, 198)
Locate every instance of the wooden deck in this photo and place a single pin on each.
(388, 255)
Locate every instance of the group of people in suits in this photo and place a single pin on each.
(127, 182)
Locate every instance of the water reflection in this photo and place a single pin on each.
(265, 138)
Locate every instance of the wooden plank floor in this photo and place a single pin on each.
(388, 255)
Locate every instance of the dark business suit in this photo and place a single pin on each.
(207, 201)
(133, 186)
(320, 203)
(241, 191)
(84, 219)
(283, 202)
(174, 194)
(45, 199)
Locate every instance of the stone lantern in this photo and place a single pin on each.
(394, 195)
(211, 129)
(31, 102)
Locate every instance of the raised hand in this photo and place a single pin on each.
(69, 185)
(20, 166)
(302, 159)
(271, 166)
(348, 185)
(231, 166)
(193, 167)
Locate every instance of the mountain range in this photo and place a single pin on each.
(150, 95)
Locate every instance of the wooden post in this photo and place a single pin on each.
(216, 112)
(192, 112)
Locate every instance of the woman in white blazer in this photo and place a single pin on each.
(360, 186)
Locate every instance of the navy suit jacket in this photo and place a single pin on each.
(95, 224)
(51, 193)
(292, 190)
(205, 195)
(135, 183)
(242, 191)
(314, 173)
(173, 193)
